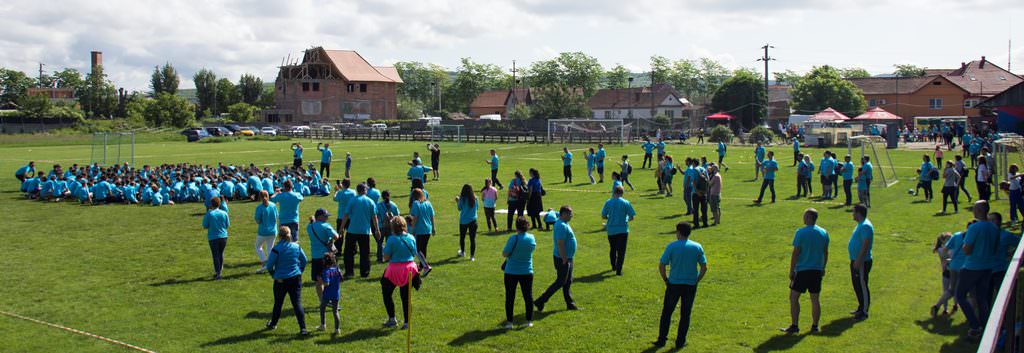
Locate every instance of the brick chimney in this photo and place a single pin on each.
(97, 60)
(981, 65)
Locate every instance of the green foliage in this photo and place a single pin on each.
(559, 103)
(662, 119)
(206, 90)
(69, 78)
(661, 69)
(99, 97)
(471, 79)
(267, 98)
(574, 70)
(908, 70)
(14, 85)
(422, 82)
(824, 87)
(720, 133)
(789, 77)
(135, 110)
(227, 94)
(164, 80)
(854, 72)
(34, 106)
(218, 139)
(242, 112)
(742, 95)
(409, 109)
(169, 110)
(268, 138)
(250, 88)
(684, 78)
(617, 77)
(519, 112)
(761, 134)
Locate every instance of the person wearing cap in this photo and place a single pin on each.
(288, 208)
(27, 171)
(321, 236)
(285, 265)
(361, 219)
(216, 223)
(325, 159)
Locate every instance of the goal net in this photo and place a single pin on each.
(884, 170)
(447, 132)
(588, 131)
(1009, 149)
(109, 148)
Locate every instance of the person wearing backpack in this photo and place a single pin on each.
(927, 173)
(516, 197)
(627, 169)
(700, 197)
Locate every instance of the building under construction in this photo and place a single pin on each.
(332, 86)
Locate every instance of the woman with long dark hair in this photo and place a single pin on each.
(516, 197)
(518, 270)
(535, 202)
(466, 202)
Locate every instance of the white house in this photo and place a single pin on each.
(639, 102)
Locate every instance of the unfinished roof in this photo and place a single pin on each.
(353, 67)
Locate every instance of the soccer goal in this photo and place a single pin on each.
(588, 131)
(1009, 149)
(870, 145)
(447, 132)
(110, 148)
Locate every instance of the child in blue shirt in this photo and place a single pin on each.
(549, 219)
(332, 292)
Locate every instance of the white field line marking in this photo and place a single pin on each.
(80, 332)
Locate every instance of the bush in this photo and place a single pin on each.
(519, 112)
(409, 109)
(242, 112)
(218, 139)
(662, 119)
(269, 138)
(761, 134)
(721, 133)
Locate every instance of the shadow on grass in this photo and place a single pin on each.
(672, 216)
(592, 278)
(942, 325)
(836, 207)
(942, 214)
(358, 335)
(255, 335)
(247, 264)
(174, 281)
(476, 336)
(920, 201)
(794, 197)
(961, 344)
(581, 184)
(449, 260)
(785, 341)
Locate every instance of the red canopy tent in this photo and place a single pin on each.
(878, 114)
(829, 115)
(719, 116)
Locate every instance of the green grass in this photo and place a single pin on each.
(140, 274)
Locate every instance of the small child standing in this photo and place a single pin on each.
(332, 292)
(550, 217)
(949, 276)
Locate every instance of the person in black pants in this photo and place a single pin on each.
(285, 264)
(770, 167)
(700, 202)
(493, 162)
(565, 250)
(361, 217)
(516, 198)
(848, 170)
(861, 242)
(682, 256)
(435, 159)
(518, 269)
(566, 165)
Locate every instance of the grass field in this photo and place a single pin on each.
(142, 274)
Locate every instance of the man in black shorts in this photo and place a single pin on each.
(806, 269)
(435, 159)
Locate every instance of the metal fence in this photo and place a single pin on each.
(474, 136)
(1002, 333)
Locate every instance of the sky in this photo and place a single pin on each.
(232, 37)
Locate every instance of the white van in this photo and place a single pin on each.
(491, 117)
(379, 127)
(431, 120)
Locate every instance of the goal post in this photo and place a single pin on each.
(1009, 149)
(109, 148)
(588, 130)
(447, 132)
(869, 147)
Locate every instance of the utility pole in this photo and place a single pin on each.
(766, 59)
(41, 74)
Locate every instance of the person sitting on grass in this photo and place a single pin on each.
(331, 277)
(550, 217)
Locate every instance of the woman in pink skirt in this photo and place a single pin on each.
(399, 253)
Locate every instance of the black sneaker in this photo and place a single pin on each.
(659, 343)
(572, 307)
(303, 332)
(814, 329)
(271, 326)
(539, 305)
(863, 316)
(790, 329)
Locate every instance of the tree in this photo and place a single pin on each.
(69, 78)
(617, 77)
(99, 97)
(408, 109)
(471, 79)
(581, 71)
(169, 110)
(824, 87)
(206, 89)
(559, 102)
(661, 68)
(424, 83)
(908, 70)
(743, 96)
(544, 73)
(242, 112)
(266, 98)
(249, 88)
(34, 106)
(164, 80)
(14, 85)
(135, 109)
(854, 72)
(519, 112)
(684, 77)
(789, 77)
(227, 94)
(710, 75)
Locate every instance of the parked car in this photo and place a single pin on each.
(218, 131)
(248, 131)
(268, 130)
(192, 135)
(298, 130)
(379, 127)
(234, 128)
(327, 128)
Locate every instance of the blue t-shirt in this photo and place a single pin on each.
(868, 171)
(691, 176)
(24, 170)
(343, 197)
(288, 203)
(286, 260)
(864, 231)
(955, 244)
(812, 241)
(332, 283)
(619, 212)
(770, 167)
(320, 238)
(326, 155)
(216, 222)
(721, 148)
(373, 194)
(661, 147)
(827, 167)
(648, 147)
(1007, 243)
(926, 167)
(551, 216)
(563, 232)
(360, 212)
(424, 213)
(297, 153)
(266, 219)
(759, 153)
(590, 160)
(796, 145)
(401, 248)
(683, 258)
(494, 162)
(382, 212)
(848, 170)
(418, 172)
(348, 162)
(599, 158)
(984, 238)
(520, 249)
(467, 213)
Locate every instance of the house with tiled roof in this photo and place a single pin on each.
(331, 86)
(939, 92)
(639, 103)
(500, 101)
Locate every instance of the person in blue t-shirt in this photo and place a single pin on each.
(590, 155)
(826, 168)
(770, 166)
(288, 208)
(422, 212)
(266, 228)
(981, 247)
(25, 172)
(1007, 244)
(399, 252)
(325, 159)
(924, 179)
(806, 269)
(321, 236)
(796, 150)
(564, 251)
(683, 258)
(848, 170)
(518, 268)
(386, 210)
(361, 222)
(660, 146)
(332, 293)
(759, 152)
(285, 265)
(599, 162)
(648, 151)
(296, 159)
(493, 162)
(550, 218)
(859, 249)
(864, 177)
(216, 223)
(618, 212)
(566, 165)
(343, 196)
(467, 204)
(721, 155)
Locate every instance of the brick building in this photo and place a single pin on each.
(331, 86)
(500, 101)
